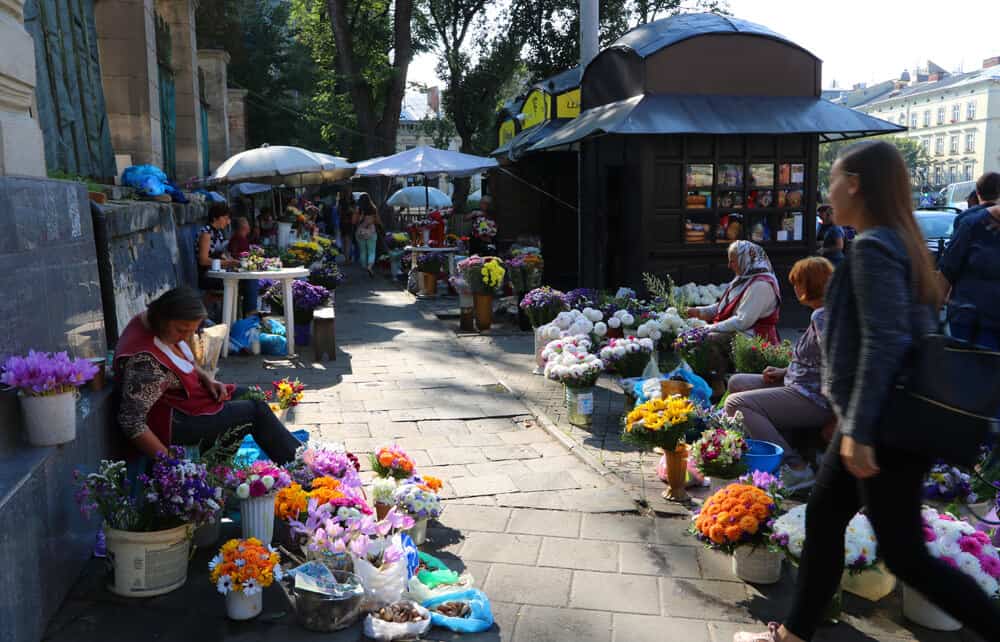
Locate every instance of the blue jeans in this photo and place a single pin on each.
(366, 249)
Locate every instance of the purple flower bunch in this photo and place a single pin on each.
(417, 502)
(581, 298)
(430, 262)
(305, 295)
(542, 305)
(770, 484)
(46, 373)
(179, 490)
(325, 461)
(331, 532)
(107, 492)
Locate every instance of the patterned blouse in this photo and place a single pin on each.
(217, 244)
(144, 381)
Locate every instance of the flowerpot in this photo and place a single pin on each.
(326, 613)
(467, 319)
(280, 413)
(428, 284)
(206, 535)
(303, 334)
(484, 311)
(580, 405)
(147, 564)
(419, 532)
(381, 510)
(49, 420)
(240, 606)
(284, 235)
(919, 609)
(540, 343)
(677, 475)
(757, 565)
(670, 387)
(257, 517)
(871, 584)
(523, 322)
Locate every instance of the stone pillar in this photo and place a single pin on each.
(126, 38)
(237, 121)
(22, 151)
(179, 14)
(214, 63)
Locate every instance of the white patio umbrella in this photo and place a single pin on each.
(425, 161)
(267, 163)
(427, 197)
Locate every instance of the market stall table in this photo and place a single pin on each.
(416, 249)
(230, 281)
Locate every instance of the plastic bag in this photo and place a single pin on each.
(250, 452)
(273, 326)
(418, 591)
(240, 334)
(148, 179)
(412, 555)
(438, 574)
(273, 344)
(383, 586)
(701, 392)
(479, 620)
(379, 629)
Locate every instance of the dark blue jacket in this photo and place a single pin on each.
(971, 263)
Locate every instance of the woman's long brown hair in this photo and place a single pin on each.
(885, 190)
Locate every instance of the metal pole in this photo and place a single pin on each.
(589, 21)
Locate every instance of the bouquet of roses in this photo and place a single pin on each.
(417, 502)
(44, 373)
(256, 480)
(392, 461)
(484, 228)
(860, 544)
(542, 305)
(245, 566)
(627, 356)
(719, 452)
(659, 423)
(736, 515)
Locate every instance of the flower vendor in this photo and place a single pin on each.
(167, 399)
(211, 244)
(790, 399)
(238, 245)
(481, 243)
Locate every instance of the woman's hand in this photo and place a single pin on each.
(773, 375)
(858, 458)
(219, 391)
(693, 313)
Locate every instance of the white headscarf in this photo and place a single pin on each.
(752, 261)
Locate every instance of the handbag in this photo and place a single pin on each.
(945, 403)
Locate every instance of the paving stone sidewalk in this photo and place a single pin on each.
(561, 550)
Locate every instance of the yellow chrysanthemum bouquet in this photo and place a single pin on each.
(660, 422)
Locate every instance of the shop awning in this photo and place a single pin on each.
(684, 114)
(519, 145)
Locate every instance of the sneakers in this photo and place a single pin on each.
(771, 635)
(794, 480)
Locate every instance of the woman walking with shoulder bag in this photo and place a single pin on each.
(883, 296)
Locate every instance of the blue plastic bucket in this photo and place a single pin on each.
(763, 456)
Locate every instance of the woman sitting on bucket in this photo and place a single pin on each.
(168, 400)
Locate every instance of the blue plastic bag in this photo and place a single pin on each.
(273, 326)
(412, 555)
(250, 452)
(148, 179)
(273, 344)
(239, 334)
(479, 620)
(700, 393)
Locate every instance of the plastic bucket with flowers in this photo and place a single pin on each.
(47, 385)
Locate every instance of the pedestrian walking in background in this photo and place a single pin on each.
(986, 195)
(884, 295)
(366, 232)
(346, 212)
(829, 236)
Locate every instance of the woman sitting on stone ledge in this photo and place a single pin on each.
(168, 400)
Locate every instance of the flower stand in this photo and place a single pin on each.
(240, 606)
(257, 517)
(580, 406)
(49, 420)
(677, 475)
(872, 584)
(757, 565)
(147, 564)
(484, 311)
(419, 532)
(919, 609)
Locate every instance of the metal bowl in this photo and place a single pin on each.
(324, 613)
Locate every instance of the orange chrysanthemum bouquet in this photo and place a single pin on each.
(736, 515)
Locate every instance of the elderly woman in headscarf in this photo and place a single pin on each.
(751, 302)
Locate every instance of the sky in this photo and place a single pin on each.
(863, 40)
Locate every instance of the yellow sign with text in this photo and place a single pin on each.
(536, 109)
(508, 129)
(568, 104)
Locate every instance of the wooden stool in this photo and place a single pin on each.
(324, 333)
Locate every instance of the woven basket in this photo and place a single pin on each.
(757, 565)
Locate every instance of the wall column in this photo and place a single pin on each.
(22, 151)
(214, 64)
(126, 38)
(237, 121)
(179, 14)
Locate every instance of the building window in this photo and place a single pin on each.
(913, 120)
(938, 176)
(953, 146)
(951, 174)
(970, 110)
(940, 116)
(927, 118)
(939, 146)
(970, 142)
(967, 172)
(956, 113)
(926, 144)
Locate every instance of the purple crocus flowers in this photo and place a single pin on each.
(46, 373)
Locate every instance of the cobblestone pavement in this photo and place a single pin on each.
(559, 547)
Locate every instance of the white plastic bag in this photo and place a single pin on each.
(379, 629)
(418, 591)
(383, 586)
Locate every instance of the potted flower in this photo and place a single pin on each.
(718, 453)
(620, 324)
(418, 499)
(306, 297)
(326, 275)
(47, 385)
(383, 494)
(735, 519)
(753, 354)
(569, 362)
(693, 347)
(291, 504)
(627, 356)
(430, 265)
(241, 571)
(325, 460)
(155, 521)
(392, 461)
(286, 395)
(484, 275)
(541, 306)
(255, 486)
(663, 423)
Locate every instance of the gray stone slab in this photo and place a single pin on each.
(601, 500)
(369, 445)
(447, 456)
(532, 436)
(443, 428)
(629, 627)
(509, 468)
(618, 528)
(545, 522)
(615, 592)
(476, 440)
(466, 518)
(674, 530)
(715, 565)
(543, 500)
(394, 430)
(708, 599)
(547, 481)
(672, 561)
(503, 453)
(541, 624)
(414, 414)
(501, 547)
(557, 463)
(340, 432)
(491, 425)
(586, 555)
(423, 443)
(528, 585)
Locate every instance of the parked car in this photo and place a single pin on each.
(955, 195)
(936, 224)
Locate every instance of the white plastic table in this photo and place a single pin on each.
(230, 280)
(416, 249)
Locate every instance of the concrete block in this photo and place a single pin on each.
(529, 585)
(543, 522)
(578, 554)
(501, 547)
(629, 627)
(615, 592)
(672, 561)
(536, 623)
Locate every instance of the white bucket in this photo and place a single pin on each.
(757, 565)
(284, 234)
(147, 564)
(917, 608)
(240, 606)
(580, 405)
(419, 532)
(539, 348)
(257, 515)
(50, 420)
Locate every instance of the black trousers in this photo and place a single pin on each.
(892, 500)
(267, 430)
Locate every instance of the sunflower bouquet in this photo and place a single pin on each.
(245, 565)
(660, 422)
(736, 515)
